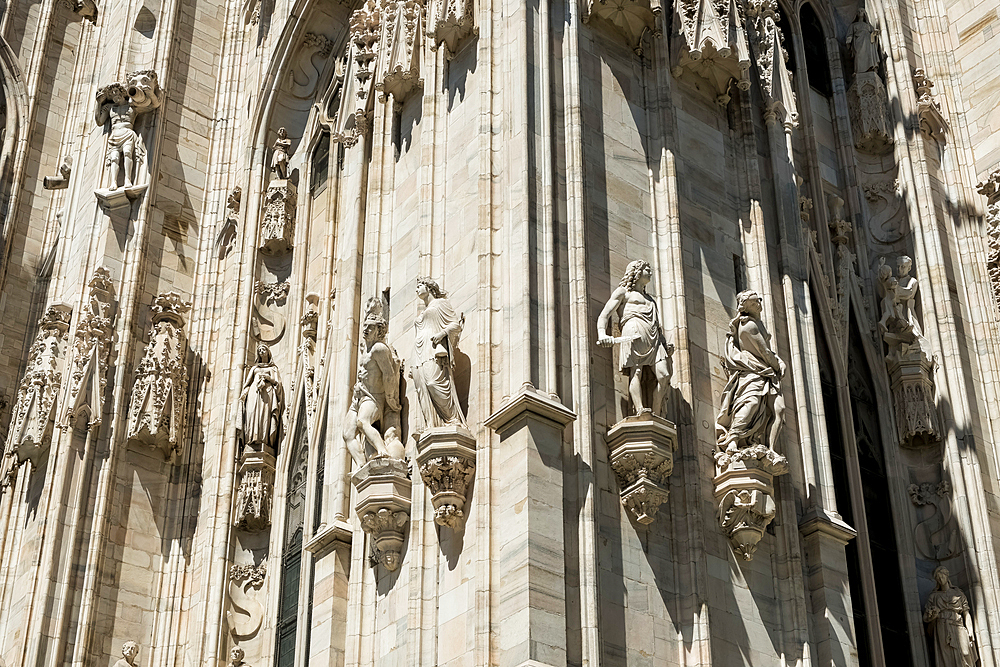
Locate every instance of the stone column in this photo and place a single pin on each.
(530, 528)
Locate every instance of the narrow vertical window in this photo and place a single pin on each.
(320, 166)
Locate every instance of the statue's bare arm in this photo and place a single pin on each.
(752, 340)
(604, 319)
(390, 378)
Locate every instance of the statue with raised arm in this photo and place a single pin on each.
(125, 147)
(752, 404)
(641, 344)
(376, 394)
(950, 624)
(437, 330)
(260, 423)
(862, 39)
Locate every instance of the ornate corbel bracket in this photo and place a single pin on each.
(744, 490)
(709, 42)
(383, 505)
(446, 457)
(449, 23)
(642, 457)
(932, 120)
(91, 351)
(253, 498)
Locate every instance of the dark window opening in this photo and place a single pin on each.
(814, 44)
(786, 40)
(320, 168)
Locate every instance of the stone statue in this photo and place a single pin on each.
(124, 145)
(898, 324)
(236, 655)
(376, 394)
(862, 39)
(436, 332)
(279, 159)
(260, 422)
(642, 343)
(950, 624)
(130, 649)
(752, 405)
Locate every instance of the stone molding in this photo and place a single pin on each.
(529, 400)
(383, 505)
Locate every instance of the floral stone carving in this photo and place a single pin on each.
(402, 38)
(642, 457)
(35, 406)
(383, 505)
(246, 613)
(910, 361)
(867, 98)
(446, 457)
(709, 41)
(91, 347)
(990, 188)
(747, 427)
(449, 23)
(158, 407)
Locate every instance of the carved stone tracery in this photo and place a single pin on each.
(158, 407)
(91, 349)
(990, 188)
(34, 408)
(766, 40)
(710, 42)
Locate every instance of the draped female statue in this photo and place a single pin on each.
(260, 423)
(950, 623)
(436, 332)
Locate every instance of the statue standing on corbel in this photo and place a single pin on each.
(259, 429)
(446, 450)
(949, 623)
(376, 394)
(910, 361)
(278, 227)
(747, 427)
(641, 344)
(157, 410)
(118, 106)
(869, 102)
(641, 446)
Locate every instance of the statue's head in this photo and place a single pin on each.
(282, 133)
(745, 301)
(130, 649)
(375, 328)
(432, 287)
(236, 655)
(263, 353)
(942, 577)
(903, 265)
(635, 271)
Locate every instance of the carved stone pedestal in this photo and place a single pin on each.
(278, 228)
(446, 457)
(119, 198)
(744, 489)
(253, 499)
(642, 456)
(869, 108)
(383, 505)
(911, 374)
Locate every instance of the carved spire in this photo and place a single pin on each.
(91, 348)
(352, 119)
(775, 79)
(709, 42)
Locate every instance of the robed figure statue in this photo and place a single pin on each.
(950, 623)
(437, 330)
(260, 422)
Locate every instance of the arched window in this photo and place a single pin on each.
(291, 554)
(814, 45)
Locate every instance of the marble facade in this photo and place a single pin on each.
(298, 355)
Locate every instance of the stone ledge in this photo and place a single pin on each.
(529, 399)
(337, 535)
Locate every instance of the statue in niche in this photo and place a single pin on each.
(950, 624)
(862, 39)
(262, 405)
(436, 332)
(898, 324)
(124, 145)
(376, 394)
(279, 158)
(641, 342)
(752, 405)
(130, 650)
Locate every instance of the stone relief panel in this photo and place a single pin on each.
(246, 613)
(936, 534)
(158, 408)
(91, 349)
(990, 188)
(34, 412)
(268, 322)
(868, 101)
(749, 423)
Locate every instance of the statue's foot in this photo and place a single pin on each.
(644, 411)
(732, 448)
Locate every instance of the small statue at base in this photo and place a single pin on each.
(130, 650)
(279, 159)
(641, 342)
